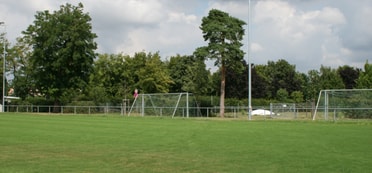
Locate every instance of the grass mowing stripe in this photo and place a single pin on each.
(48, 143)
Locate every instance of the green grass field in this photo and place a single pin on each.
(56, 143)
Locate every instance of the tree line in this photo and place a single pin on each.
(54, 63)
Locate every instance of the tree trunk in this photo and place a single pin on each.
(57, 108)
(222, 97)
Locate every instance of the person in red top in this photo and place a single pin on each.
(135, 95)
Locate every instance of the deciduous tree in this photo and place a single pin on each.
(349, 76)
(282, 75)
(330, 79)
(112, 76)
(365, 78)
(19, 66)
(63, 50)
(189, 74)
(153, 77)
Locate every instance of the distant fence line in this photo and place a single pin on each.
(230, 111)
(276, 111)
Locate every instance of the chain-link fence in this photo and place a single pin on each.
(284, 111)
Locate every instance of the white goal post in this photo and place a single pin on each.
(344, 103)
(163, 104)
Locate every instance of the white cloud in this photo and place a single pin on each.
(255, 47)
(134, 12)
(174, 17)
(306, 37)
(358, 35)
(175, 34)
(305, 33)
(234, 8)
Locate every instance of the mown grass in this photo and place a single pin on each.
(55, 143)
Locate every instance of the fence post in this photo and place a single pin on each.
(271, 110)
(295, 110)
(234, 112)
(334, 115)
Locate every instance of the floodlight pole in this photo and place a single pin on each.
(4, 52)
(249, 64)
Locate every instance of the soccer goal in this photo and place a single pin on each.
(344, 103)
(164, 104)
(283, 110)
(291, 110)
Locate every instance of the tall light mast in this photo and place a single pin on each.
(249, 64)
(4, 54)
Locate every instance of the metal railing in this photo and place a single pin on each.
(300, 112)
(65, 109)
(231, 111)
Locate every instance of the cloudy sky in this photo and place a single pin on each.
(306, 33)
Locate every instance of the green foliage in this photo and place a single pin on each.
(282, 95)
(153, 77)
(213, 101)
(233, 102)
(98, 95)
(330, 79)
(313, 84)
(63, 50)
(197, 78)
(224, 34)
(20, 66)
(306, 96)
(79, 107)
(262, 102)
(281, 75)
(349, 76)
(207, 101)
(72, 95)
(115, 77)
(260, 82)
(33, 101)
(237, 82)
(325, 78)
(365, 77)
(297, 97)
(111, 78)
(178, 69)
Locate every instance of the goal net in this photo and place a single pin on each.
(164, 104)
(291, 110)
(344, 103)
